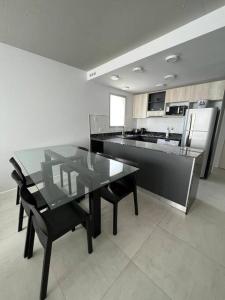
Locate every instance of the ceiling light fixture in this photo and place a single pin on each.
(115, 77)
(170, 76)
(160, 85)
(172, 58)
(126, 88)
(138, 69)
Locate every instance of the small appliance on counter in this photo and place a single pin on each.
(143, 130)
(136, 131)
(178, 110)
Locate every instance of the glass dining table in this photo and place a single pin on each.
(86, 172)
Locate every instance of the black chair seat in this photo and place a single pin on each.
(115, 192)
(36, 177)
(61, 220)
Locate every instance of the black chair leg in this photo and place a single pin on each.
(26, 247)
(135, 201)
(45, 271)
(31, 242)
(18, 196)
(20, 224)
(115, 212)
(89, 236)
(69, 183)
(61, 177)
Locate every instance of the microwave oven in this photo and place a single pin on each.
(176, 110)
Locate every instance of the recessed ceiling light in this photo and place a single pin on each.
(170, 76)
(172, 58)
(160, 84)
(138, 69)
(115, 77)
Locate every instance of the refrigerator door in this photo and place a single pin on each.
(199, 130)
(200, 119)
(199, 140)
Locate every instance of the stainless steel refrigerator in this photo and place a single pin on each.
(199, 130)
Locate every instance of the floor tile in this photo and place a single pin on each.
(132, 230)
(81, 274)
(133, 284)
(208, 212)
(212, 190)
(198, 231)
(180, 270)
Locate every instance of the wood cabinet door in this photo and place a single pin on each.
(170, 95)
(216, 90)
(181, 94)
(140, 105)
(176, 95)
(201, 92)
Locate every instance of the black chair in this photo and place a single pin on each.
(26, 179)
(68, 169)
(117, 190)
(39, 200)
(51, 225)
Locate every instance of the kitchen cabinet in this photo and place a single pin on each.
(140, 106)
(176, 95)
(193, 93)
(216, 90)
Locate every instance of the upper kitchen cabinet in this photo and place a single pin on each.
(193, 93)
(176, 95)
(216, 90)
(206, 91)
(140, 106)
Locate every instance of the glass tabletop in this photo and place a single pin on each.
(65, 173)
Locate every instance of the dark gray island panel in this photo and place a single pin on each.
(170, 175)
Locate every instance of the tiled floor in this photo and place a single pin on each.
(161, 254)
(210, 190)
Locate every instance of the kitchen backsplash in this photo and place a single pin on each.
(161, 124)
(100, 124)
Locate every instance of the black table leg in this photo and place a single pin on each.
(95, 209)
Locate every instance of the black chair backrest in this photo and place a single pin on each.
(105, 155)
(17, 168)
(29, 202)
(17, 178)
(82, 148)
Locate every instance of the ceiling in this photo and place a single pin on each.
(87, 33)
(201, 60)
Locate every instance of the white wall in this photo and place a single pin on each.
(43, 102)
(160, 124)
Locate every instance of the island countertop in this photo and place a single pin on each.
(180, 151)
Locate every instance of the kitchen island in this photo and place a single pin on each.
(172, 172)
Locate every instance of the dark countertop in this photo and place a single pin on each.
(181, 151)
(160, 135)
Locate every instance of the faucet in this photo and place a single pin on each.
(168, 132)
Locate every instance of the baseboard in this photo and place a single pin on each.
(7, 191)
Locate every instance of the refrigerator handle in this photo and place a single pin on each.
(188, 140)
